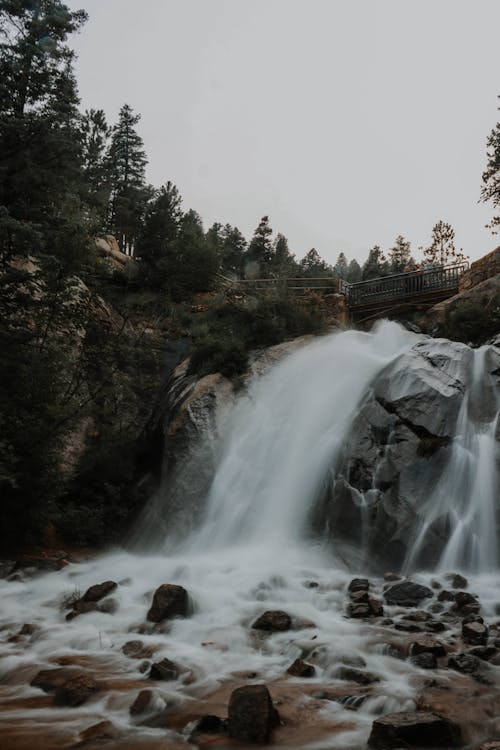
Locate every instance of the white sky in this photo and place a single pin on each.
(346, 121)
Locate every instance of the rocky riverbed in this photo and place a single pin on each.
(227, 650)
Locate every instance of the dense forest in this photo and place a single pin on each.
(82, 342)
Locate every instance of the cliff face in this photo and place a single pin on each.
(419, 421)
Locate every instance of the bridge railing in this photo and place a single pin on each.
(411, 284)
(294, 285)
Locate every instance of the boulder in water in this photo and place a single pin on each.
(49, 680)
(475, 633)
(164, 670)
(300, 668)
(463, 662)
(426, 644)
(138, 650)
(425, 660)
(414, 729)
(169, 601)
(358, 584)
(407, 594)
(273, 620)
(356, 675)
(98, 734)
(251, 714)
(75, 691)
(99, 591)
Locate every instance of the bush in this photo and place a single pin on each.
(228, 358)
(474, 322)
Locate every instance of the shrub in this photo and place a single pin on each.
(474, 322)
(228, 358)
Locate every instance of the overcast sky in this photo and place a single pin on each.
(346, 121)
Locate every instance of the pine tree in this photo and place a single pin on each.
(442, 248)
(156, 244)
(375, 265)
(94, 136)
(354, 272)
(341, 266)
(283, 262)
(399, 255)
(260, 249)
(229, 245)
(491, 177)
(127, 166)
(312, 265)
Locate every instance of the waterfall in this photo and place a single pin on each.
(285, 433)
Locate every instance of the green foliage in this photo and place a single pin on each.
(227, 357)
(375, 265)
(491, 177)
(399, 255)
(474, 322)
(313, 266)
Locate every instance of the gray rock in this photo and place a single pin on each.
(414, 729)
(407, 594)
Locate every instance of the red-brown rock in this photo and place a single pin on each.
(251, 714)
(414, 729)
(169, 601)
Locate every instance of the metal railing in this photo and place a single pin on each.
(401, 285)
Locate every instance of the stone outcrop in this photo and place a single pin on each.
(396, 450)
(482, 269)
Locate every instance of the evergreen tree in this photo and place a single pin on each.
(94, 135)
(260, 249)
(341, 266)
(491, 177)
(399, 255)
(156, 245)
(283, 260)
(197, 263)
(354, 273)
(375, 265)
(312, 265)
(442, 248)
(127, 166)
(229, 245)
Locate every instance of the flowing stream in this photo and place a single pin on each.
(253, 550)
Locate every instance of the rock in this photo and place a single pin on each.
(427, 644)
(457, 581)
(359, 610)
(463, 662)
(31, 565)
(211, 724)
(424, 660)
(98, 734)
(300, 668)
(359, 597)
(138, 650)
(409, 627)
(356, 675)
(49, 680)
(28, 629)
(414, 729)
(251, 714)
(169, 601)
(164, 670)
(483, 652)
(419, 616)
(475, 633)
(436, 585)
(376, 608)
(435, 626)
(446, 596)
(358, 584)
(273, 621)
(490, 745)
(391, 577)
(143, 703)
(407, 594)
(99, 591)
(463, 600)
(75, 691)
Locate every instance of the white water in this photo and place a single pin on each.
(250, 553)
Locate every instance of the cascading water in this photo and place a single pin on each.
(252, 550)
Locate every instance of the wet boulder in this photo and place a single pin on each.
(138, 650)
(49, 680)
(164, 670)
(463, 662)
(251, 714)
(407, 594)
(169, 601)
(414, 729)
(273, 621)
(465, 602)
(475, 632)
(349, 674)
(425, 660)
(76, 691)
(97, 734)
(301, 668)
(210, 724)
(99, 591)
(358, 584)
(426, 644)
